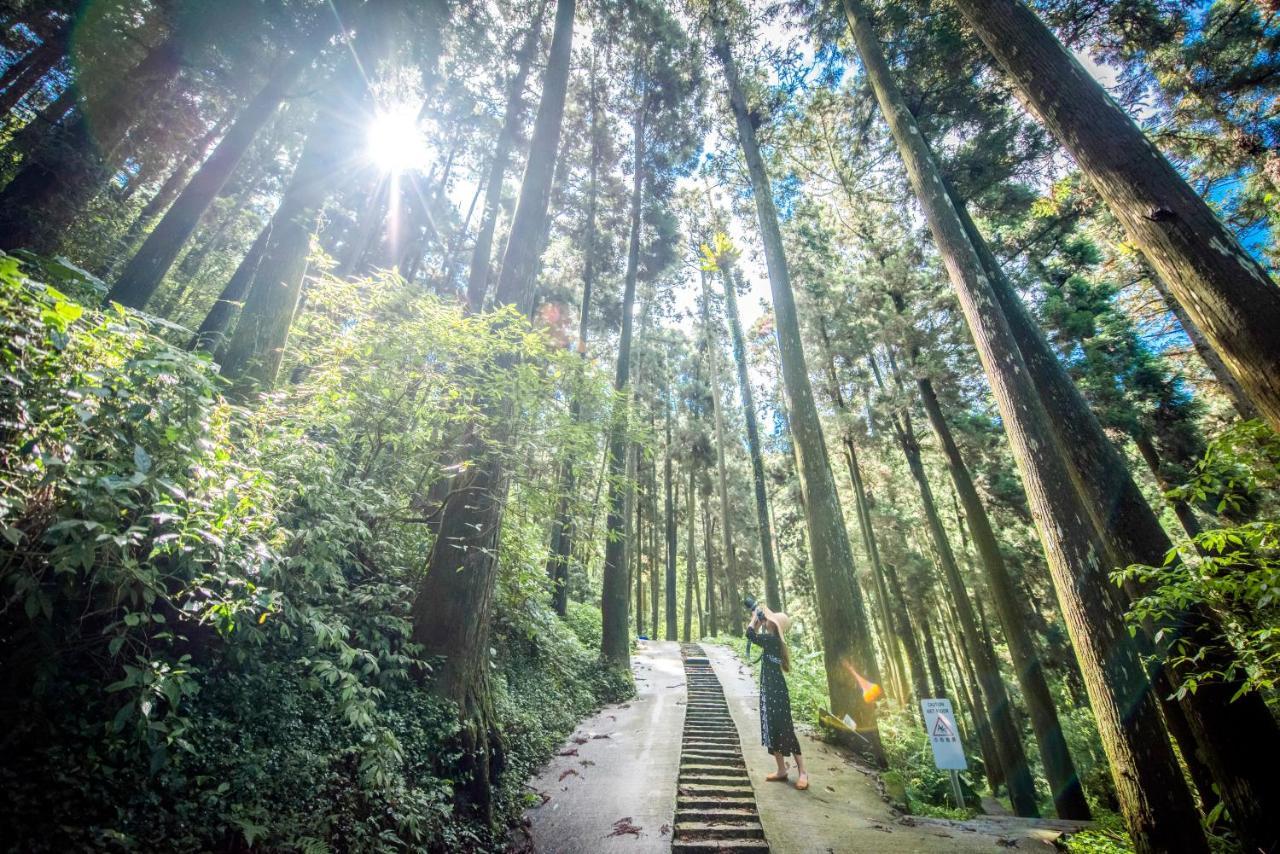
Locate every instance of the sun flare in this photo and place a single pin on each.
(395, 140)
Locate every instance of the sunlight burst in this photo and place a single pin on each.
(395, 141)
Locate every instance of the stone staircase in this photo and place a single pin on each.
(715, 804)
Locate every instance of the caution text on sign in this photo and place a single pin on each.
(940, 724)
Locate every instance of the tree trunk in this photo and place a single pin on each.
(212, 333)
(56, 182)
(637, 547)
(35, 134)
(846, 637)
(257, 346)
(712, 609)
(722, 483)
(451, 612)
(863, 508)
(1227, 293)
(915, 663)
(1068, 798)
(1154, 799)
(1131, 533)
(1230, 385)
(482, 252)
(655, 577)
(969, 687)
(24, 74)
(691, 556)
(994, 696)
(615, 647)
(670, 513)
(773, 595)
(168, 191)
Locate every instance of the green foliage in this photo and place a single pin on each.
(1109, 837)
(208, 639)
(1233, 570)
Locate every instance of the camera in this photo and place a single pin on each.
(749, 602)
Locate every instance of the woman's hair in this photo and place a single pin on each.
(782, 643)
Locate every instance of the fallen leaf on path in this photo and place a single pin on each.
(586, 762)
(624, 825)
(602, 735)
(665, 829)
(580, 739)
(568, 772)
(828, 788)
(573, 751)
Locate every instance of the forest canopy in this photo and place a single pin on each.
(376, 374)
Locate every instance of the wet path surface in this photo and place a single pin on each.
(680, 769)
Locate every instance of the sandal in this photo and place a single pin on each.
(802, 783)
(775, 777)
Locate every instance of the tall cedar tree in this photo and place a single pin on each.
(846, 637)
(1153, 797)
(1227, 293)
(462, 569)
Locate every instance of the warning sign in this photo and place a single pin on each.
(940, 723)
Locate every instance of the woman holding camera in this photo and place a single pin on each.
(768, 630)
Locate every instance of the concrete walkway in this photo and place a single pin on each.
(615, 790)
(843, 811)
(612, 788)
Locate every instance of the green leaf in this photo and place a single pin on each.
(141, 459)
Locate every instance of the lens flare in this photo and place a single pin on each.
(395, 141)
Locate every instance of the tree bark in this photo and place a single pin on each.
(1068, 798)
(1131, 533)
(57, 181)
(773, 595)
(722, 483)
(670, 513)
(846, 637)
(994, 697)
(915, 663)
(257, 345)
(144, 272)
(712, 609)
(25, 73)
(451, 612)
(1153, 796)
(213, 329)
(1227, 293)
(691, 557)
(482, 252)
(615, 647)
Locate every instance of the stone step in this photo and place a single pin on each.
(698, 761)
(716, 815)
(715, 830)
(693, 806)
(719, 846)
(698, 789)
(702, 769)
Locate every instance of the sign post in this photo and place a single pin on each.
(944, 738)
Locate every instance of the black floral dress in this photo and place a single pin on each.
(777, 733)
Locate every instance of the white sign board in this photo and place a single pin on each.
(940, 724)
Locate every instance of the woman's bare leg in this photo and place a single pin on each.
(782, 769)
(802, 781)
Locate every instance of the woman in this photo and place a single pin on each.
(768, 631)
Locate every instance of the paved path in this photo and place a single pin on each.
(618, 792)
(613, 786)
(843, 811)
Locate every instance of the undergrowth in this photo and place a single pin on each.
(206, 605)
